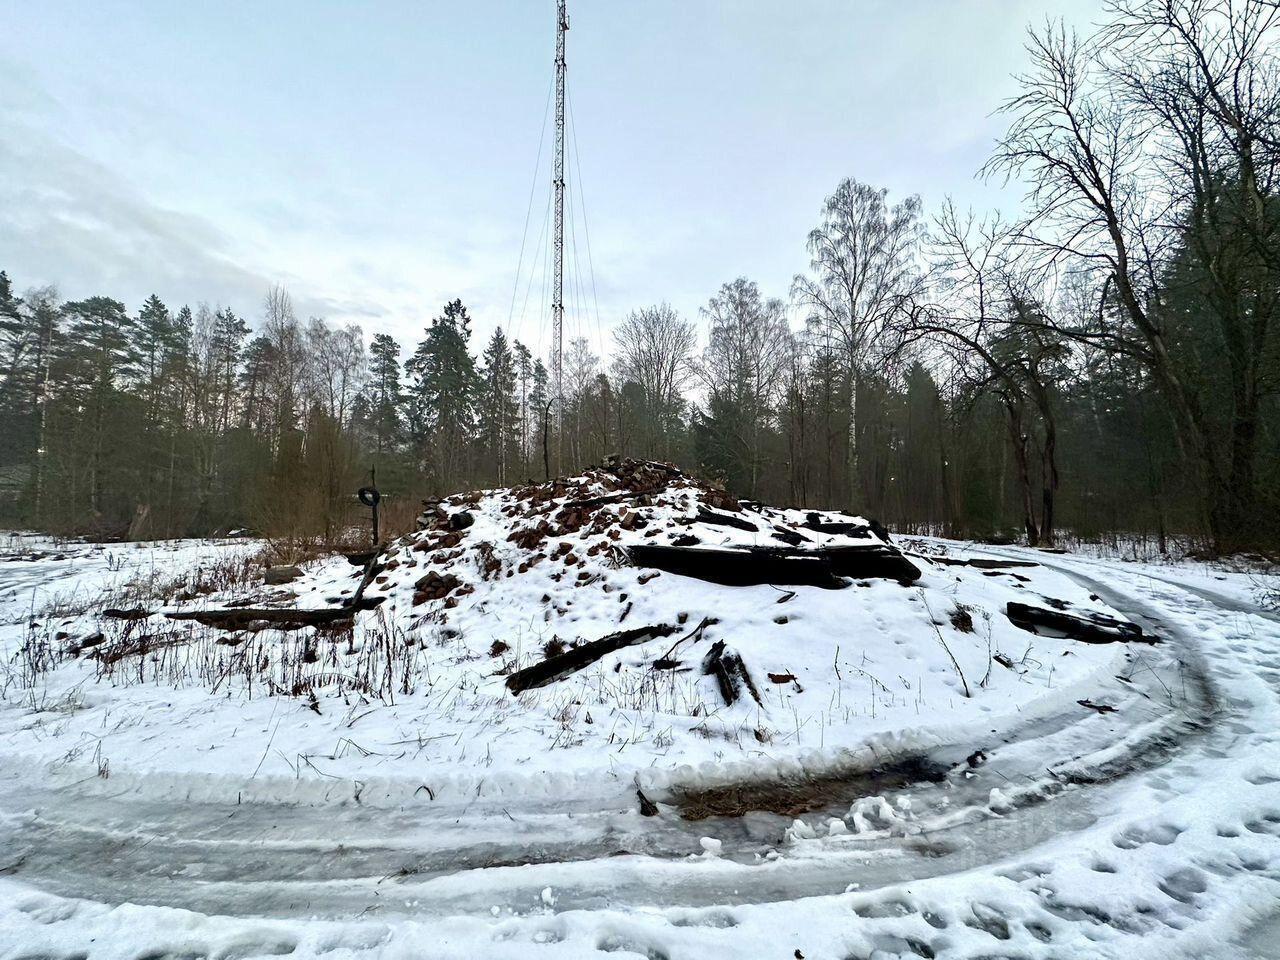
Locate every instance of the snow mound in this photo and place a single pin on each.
(631, 623)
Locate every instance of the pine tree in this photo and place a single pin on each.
(100, 357)
(229, 333)
(175, 399)
(15, 349)
(154, 331)
(10, 315)
(255, 371)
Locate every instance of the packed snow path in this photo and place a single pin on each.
(1153, 830)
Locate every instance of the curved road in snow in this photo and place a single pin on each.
(1178, 710)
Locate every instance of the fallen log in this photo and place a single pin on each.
(561, 665)
(1096, 628)
(112, 653)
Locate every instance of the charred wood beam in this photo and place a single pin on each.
(561, 665)
(983, 563)
(607, 499)
(730, 672)
(790, 537)
(738, 568)
(725, 520)
(814, 521)
(240, 617)
(871, 561)
(748, 566)
(371, 569)
(1096, 628)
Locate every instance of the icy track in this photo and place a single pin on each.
(1149, 831)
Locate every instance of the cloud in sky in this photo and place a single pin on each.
(377, 160)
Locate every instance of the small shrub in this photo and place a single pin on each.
(962, 618)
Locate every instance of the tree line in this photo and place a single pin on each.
(1106, 361)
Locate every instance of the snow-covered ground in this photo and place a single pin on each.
(172, 808)
(415, 695)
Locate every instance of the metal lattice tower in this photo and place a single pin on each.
(557, 295)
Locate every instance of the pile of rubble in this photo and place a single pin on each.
(578, 532)
(625, 513)
(652, 515)
(630, 609)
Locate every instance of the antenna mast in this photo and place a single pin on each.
(557, 295)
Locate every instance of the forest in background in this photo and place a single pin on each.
(1107, 362)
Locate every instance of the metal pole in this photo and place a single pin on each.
(557, 297)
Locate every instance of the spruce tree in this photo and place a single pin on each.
(524, 381)
(540, 401)
(498, 413)
(386, 396)
(443, 395)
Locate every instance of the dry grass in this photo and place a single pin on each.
(296, 549)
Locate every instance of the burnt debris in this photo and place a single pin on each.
(1094, 628)
(570, 661)
(748, 566)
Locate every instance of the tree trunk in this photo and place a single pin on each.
(1018, 437)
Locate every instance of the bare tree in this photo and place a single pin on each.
(1151, 154)
(580, 369)
(863, 260)
(654, 350)
(748, 348)
(335, 367)
(989, 322)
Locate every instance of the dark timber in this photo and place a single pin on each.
(561, 665)
(1096, 628)
(746, 566)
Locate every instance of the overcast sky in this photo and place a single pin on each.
(377, 157)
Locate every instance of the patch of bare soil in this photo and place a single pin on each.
(792, 797)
